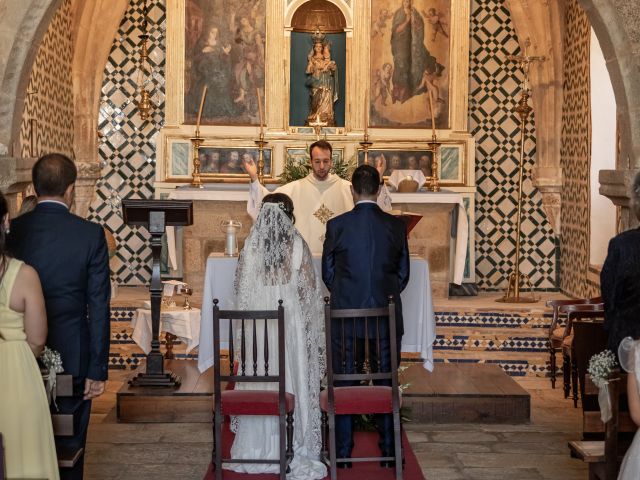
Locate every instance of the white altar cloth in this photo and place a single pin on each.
(184, 324)
(460, 230)
(417, 307)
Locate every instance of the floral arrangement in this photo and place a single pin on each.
(52, 360)
(600, 368)
(295, 169)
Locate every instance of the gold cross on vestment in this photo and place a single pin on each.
(323, 214)
(524, 62)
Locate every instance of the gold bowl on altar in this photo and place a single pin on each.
(408, 185)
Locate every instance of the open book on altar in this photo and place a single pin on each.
(409, 218)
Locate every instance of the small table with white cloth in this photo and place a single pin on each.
(417, 307)
(184, 324)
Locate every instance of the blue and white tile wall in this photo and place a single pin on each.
(127, 144)
(494, 90)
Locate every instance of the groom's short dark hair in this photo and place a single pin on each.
(52, 174)
(365, 180)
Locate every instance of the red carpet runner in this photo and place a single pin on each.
(366, 444)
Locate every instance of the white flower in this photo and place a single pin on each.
(600, 367)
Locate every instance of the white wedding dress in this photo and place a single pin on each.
(629, 355)
(275, 264)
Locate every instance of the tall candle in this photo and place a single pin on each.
(260, 111)
(204, 95)
(433, 115)
(366, 112)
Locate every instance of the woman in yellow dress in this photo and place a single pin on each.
(25, 422)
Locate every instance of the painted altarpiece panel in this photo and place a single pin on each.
(410, 57)
(224, 45)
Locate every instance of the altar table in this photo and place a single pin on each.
(417, 307)
(184, 324)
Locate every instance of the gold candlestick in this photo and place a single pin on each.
(366, 144)
(196, 181)
(432, 182)
(261, 144)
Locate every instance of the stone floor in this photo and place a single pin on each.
(446, 452)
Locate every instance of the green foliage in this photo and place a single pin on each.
(295, 168)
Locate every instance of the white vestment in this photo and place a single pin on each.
(315, 202)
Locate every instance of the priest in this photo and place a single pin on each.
(317, 198)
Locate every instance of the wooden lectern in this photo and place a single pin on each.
(155, 216)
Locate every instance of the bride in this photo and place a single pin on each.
(275, 264)
(629, 355)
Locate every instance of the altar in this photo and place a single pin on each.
(417, 307)
(441, 236)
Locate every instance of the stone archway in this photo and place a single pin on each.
(615, 24)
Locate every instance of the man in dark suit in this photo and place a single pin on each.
(364, 260)
(71, 258)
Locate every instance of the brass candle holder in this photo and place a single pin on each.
(366, 145)
(261, 143)
(196, 180)
(432, 182)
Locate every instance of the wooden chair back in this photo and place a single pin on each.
(589, 338)
(371, 324)
(555, 305)
(249, 323)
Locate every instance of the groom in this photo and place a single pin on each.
(365, 259)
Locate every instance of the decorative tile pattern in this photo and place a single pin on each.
(494, 90)
(575, 154)
(48, 107)
(127, 145)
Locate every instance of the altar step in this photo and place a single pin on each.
(453, 393)
(468, 330)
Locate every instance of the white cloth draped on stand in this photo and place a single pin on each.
(275, 264)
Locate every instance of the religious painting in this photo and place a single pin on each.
(301, 155)
(451, 167)
(416, 159)
(227, 162)
(410, 63)
(225, 52)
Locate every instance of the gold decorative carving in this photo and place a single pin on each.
(323, 214)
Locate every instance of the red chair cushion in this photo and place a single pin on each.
(254, 402)
(354, 400)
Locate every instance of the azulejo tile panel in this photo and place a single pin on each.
(575, 155)
(494, 90)
(127, 145)
(47, 119)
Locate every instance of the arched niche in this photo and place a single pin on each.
(317, 24)
(298, 8)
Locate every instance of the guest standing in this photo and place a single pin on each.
(365, 259)
(620, 280)
(25, 422)
(70, 256)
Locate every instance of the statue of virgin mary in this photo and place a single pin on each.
(322, 80)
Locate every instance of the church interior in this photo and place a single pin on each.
(509, 129)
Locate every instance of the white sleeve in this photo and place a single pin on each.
(384, 199)
(257, 192)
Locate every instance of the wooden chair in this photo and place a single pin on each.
(557, 331)
(569, 370)
(360, 399)
(233, 402)
(604, 457)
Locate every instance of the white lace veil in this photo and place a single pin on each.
(276, 263)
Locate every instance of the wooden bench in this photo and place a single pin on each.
(64, 423)
(604, 457)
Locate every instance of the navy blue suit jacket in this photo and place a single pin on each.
(365, 259)
(70, 255)
(620, 286)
